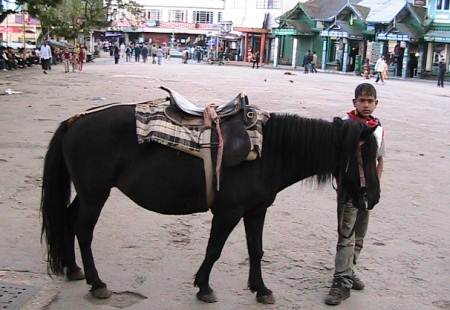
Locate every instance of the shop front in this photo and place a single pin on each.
(254, 40)
(403, 50)
(437, 49)
(343, 47)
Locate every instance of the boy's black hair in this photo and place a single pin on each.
(365, 89)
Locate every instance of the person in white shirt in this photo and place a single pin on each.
(46, 55)
(380, 67)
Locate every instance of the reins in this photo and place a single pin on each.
(362, 181)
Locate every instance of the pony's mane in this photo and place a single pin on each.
(301, 147)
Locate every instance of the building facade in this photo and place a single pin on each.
(437, 38)
(253, 20)
(174, 22)
(18, 28)
(413, 35)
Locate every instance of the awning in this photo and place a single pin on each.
(438, 36)
(401, 32)
(60, 44)
(343, 29)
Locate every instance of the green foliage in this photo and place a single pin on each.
(72, 17)
(69, 18)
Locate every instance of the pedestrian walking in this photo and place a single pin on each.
(249, 55)
(66, 60)
(366, 73)
(255, 59)
(154, 51)
(116, 54)
(159, 54)
(46, 55)
(380, 67)
(185, 56)
(128, 52)
(81, 58)
(144, 53)
(73, 60)
(306, 63)
(198, 54)
(314, 63)
(137, 53)
(442, 70)
(353, 222)
(122, 50)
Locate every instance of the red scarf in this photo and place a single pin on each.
(371, 121)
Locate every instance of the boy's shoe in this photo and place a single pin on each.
(358, 284)
(337, 294)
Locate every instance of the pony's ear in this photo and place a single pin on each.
(337, 121)
(366, 132)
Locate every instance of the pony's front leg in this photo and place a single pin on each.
(254, 224)
(222, 225)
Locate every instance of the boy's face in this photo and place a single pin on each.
(365, 105)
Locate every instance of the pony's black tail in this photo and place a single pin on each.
(54, 201)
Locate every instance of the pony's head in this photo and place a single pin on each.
(356, 174)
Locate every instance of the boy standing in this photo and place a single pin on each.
(353, 222)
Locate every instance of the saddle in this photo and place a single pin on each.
(225, 141)
(235, 117)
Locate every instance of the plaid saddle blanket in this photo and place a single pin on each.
(153, 125)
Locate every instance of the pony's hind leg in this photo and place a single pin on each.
(222, 225)
(73, 272)
(254, 224)
(88, 213)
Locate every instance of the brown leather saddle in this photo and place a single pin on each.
(236, 117)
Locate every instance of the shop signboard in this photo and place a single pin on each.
(374, 51)
(437, 39)
(393, 37)
(284, 32)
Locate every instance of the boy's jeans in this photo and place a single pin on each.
(352, 227)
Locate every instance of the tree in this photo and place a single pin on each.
(32, 6)
(69, 18)
(73, 17)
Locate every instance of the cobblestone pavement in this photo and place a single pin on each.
(149, 259)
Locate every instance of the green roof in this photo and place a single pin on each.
(439, 36)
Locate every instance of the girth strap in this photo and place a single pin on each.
(210, 116)
(362, 178)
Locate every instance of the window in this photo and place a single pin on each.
(203, 17)
(178, 16)
(219, 17)
(443, 5)
(154, 14)
(267, 4)
(237, 4)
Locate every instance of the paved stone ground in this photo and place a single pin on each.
(149, 259)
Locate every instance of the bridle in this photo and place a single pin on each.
(362, 176)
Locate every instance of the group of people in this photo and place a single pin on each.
(70, 57)
(156, 52)
(11, 59)
(74, 58)
(310, 62)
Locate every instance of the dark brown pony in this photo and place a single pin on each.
(100, 151)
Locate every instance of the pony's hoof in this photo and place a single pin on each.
(266, 299)
(76, 275)
(208, 297)
(101, 293)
